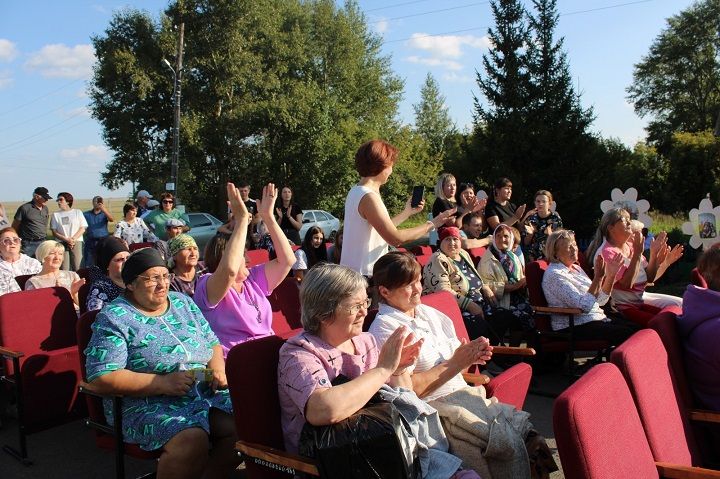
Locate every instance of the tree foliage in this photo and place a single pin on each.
(432, 120)
(273, 90)
(677, 83)
(694, 167)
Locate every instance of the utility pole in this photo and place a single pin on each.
(172, 186)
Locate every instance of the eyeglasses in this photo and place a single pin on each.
(154, 280)
(60, 200)
(355, 308)
(9, 241)
(168, 201)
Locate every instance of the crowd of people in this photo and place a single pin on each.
(167, 320)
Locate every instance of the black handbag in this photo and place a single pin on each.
(370, 444)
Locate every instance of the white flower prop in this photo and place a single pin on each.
(703, 225)
(638, 208)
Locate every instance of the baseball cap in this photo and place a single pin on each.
(174, 222)
(144, 194)
(153, 203)
(42, 191)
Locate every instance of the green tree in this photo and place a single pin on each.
(677, 83)
(432, 120)
(694, 166)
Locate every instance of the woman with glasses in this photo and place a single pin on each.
(158, 218)
(12, 260)
(154, 347)
(110, 257)
(232, 297)
(615, 237)
(68, 226)
(133, 229)
(566, 285)
(50, 253)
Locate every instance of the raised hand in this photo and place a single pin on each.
(599, 266)
(614, 265)
(658, 243)
(410, 352)
(529, 228)
(675, 254)
(409, 207)
(237, 206)
(391, 352)
(266, 203)
(479, 204)
(638, 243)
(75, 287)
(445, 216)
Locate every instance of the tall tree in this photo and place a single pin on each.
(677, 83)
(432, 120)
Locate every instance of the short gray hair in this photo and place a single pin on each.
(323, 287)
(46, 247)
(551, 244)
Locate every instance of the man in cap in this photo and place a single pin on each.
(141, 201)
(97, 219)
(31, 221)
(173, 227)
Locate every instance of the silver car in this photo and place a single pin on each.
(203, 227)
(327, 222)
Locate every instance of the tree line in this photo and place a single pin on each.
(286, 90)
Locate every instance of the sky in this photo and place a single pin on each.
(47, 137)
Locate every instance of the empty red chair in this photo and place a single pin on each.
(257, 256)
(421, 250)
(599, 434)
(423, 259)
(285, 302)
(22, 279)
(476, 254)
(136, 246)
(38, 346)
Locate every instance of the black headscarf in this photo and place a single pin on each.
(107, 249)
(139, 262)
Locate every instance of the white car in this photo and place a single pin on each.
(203, 226)
(327, 222)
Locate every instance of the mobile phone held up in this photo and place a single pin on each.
(417, 196)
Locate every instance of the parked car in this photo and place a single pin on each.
(203, 226)
(327, 222)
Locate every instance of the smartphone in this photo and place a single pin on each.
(417, 196)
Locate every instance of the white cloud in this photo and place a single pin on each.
(439, 46)
(8, 50)
(455, 78)
(435, 62)
(381, 26)
(59, 60)
(90, 156)
(6, 79)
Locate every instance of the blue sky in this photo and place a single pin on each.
(48, 138)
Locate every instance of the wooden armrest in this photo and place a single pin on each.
(675, 471)
(88, 388)
(513, 350)
(549, 310)
(705, 416)
(276, 459)
(9, 353)
(475, 378)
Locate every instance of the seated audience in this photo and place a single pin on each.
(445, 190)
(110, 256)
(467, 203)
(157, 219)
(615, 237)
(436, 375)
(166, 405)
(184, 264)
(503, 271)
(500, 209)
(451, 269)
(474, 232)
(173, 228)
(566, 285)
(68, 226)
(50, 253)
(539, 224)
(233, 298)
(699, 326)
(312, 252)
(330, 371)
(133, 229)
(336, 248)
(12, 260)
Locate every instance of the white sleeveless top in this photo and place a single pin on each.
(362, 244)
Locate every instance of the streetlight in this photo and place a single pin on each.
(177, 75)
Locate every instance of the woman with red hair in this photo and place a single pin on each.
(369, 228)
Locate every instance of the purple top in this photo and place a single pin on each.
(238, 317)
(307, 363)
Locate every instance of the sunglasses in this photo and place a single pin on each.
(168, 201)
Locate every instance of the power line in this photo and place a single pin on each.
(432, 11)
(35, 100)
(75, 100)
(605, 8)
(435, 34)
(11, 148)
(386, 7)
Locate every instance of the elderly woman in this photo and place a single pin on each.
(502, 270)
(539, 225)
(312, 252)
(566, 285)
(158, 218)
(184, 264)
(68, 226)
(451, 269)
(699, 326)
(436, 376)
(110, 257)
(368, 224)
(233, 298)
(133, 229)
(50, 253)
(500, 209)
(168, 365)
(615, 237)
(12, 260)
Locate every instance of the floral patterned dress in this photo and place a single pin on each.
(180, 339)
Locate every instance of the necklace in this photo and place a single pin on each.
(257, 310)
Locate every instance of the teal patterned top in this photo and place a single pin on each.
(180, 339)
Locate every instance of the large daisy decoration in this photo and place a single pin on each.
(628, 200)
(703, 225)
